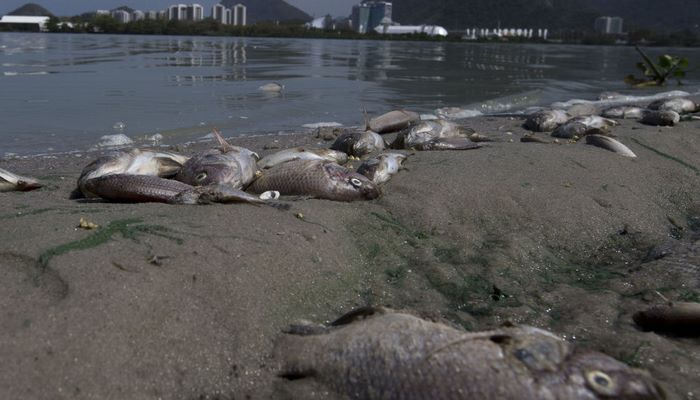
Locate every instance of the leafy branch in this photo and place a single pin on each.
(656, 74)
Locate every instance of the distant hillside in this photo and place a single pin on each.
(33, 10)
(269, 10)
(668, 15)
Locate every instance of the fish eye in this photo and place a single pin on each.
(356, 182)
(601, 383)
(201, 176)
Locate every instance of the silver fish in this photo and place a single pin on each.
(631, 112)
(611, 144)
(381, 168)
(231, 165)
(393, 121)
(315, 178)
(13, 182)
(450, 143)
(135, 162)
(359, 144)
(572, 130)
(302, 153)
(660, 117)
(679, 105)
(145, 188)
(381, 354)
(594, 121)
(546, 120)
(426, 132)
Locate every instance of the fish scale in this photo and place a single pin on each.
(383, 354)
(315, 178)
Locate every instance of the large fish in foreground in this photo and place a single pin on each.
(380, 354)
(11, 182)
(316, 178)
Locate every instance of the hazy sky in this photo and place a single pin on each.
(74, 7)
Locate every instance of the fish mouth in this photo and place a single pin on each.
(26, 186)
(371, 192)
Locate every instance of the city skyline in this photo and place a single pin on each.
(75, 7)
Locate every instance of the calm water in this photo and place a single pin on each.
(63, 92)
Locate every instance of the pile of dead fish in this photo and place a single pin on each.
(382, 354)
(227, 173)
(586, 120)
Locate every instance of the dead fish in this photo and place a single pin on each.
(231, 165)
(273, 87)
(381, 354)
(393, 121)
(546, 120)
(611, 144)
(429, 131)
(595, 121)
(681, 318)
(145, 188)
(359, 144)
(134, 162)
(660, 118)
(302, 153)
(572, 129)
(478, 138)
(623, 112)
(450, 143)
(13, 182)
(679, 105)
(315, 178)
(579, 127)
(381, 168)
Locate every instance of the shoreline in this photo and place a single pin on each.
(186, 301)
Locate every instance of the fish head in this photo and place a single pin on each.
(604, 377)
(209, 169)
(367, 143)
(346, 142)
(352, 182)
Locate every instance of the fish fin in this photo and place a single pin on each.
(225, 146)
(364, 112)
(167, 167)
(358, 314)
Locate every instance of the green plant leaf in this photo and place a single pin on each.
(665, 61)
(683, 62)
(679, 74)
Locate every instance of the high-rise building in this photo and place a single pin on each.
(138, 15)
(608, 25)
(195, 12)
(177, 12)
(218, 13)
(369, 14)
(121, 16)
(240, 14)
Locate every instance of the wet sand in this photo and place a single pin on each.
(184, 302)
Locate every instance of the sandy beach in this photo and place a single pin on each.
(184, 302)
